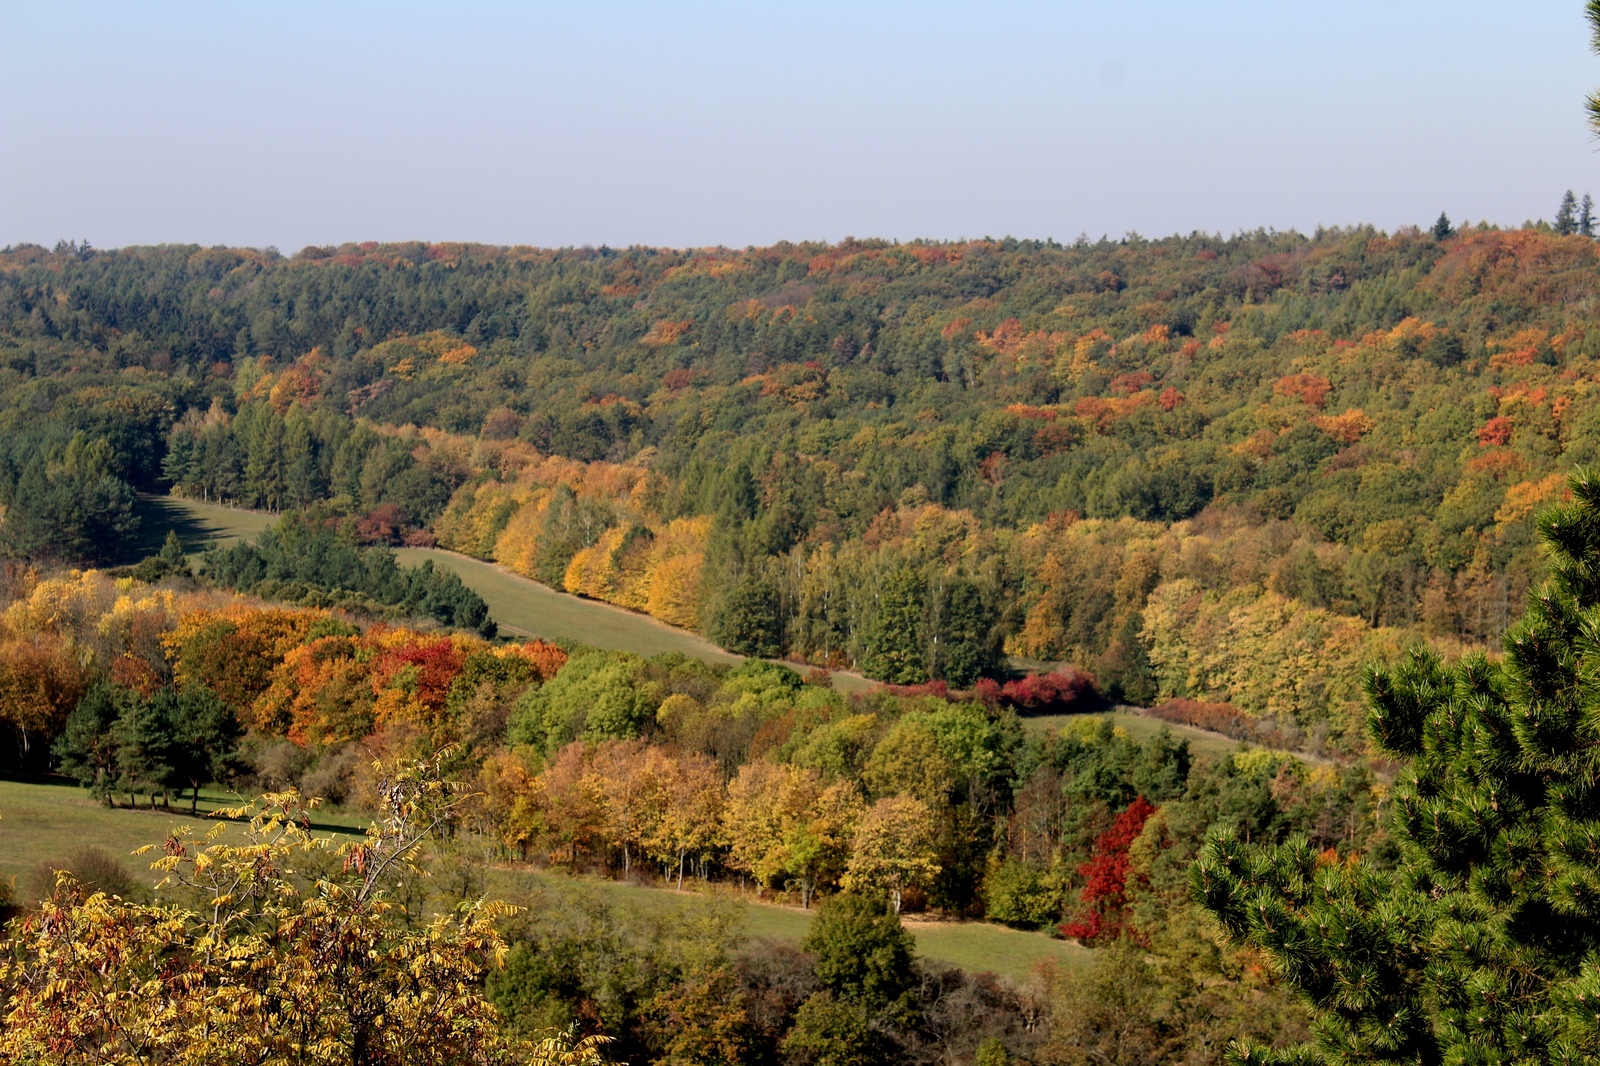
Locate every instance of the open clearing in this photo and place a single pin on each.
(43, 823)
(1140, 727)
(976, 947)
(518, 603)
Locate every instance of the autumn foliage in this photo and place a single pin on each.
(1102, 904)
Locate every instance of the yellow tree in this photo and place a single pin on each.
(816, 845)
(690, 821)
(265, 969)
(628, 779)
(893, 849)
(765, 802)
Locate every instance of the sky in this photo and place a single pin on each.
(694, 124)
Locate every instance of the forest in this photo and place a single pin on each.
(1243, 482)
(920, 461)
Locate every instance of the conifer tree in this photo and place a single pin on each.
(1442, 229)
(1567, 215)
(1586, 215)
(1483, 946)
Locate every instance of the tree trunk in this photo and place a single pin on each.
(194, 800)
(680, 870)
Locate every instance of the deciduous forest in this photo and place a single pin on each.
(1238, 481)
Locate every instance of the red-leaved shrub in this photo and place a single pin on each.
(1061, 692)
(1222, 718)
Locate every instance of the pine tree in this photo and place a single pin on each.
(1442, 229)
(172, 554)
(1484, 944)
(1567, 215)
(1586, 215)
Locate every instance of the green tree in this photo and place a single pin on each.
(146, 748)
(86, 750)
(1567, 215)
(830, 1032)
(893, 644)
(205, 735)
(747, 620)
(863, 954)
(172, 554)
(595, 696)
(1484, 945)
(1442, 229)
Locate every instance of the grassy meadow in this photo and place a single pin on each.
(42, 823)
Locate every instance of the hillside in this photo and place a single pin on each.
(1226, 469)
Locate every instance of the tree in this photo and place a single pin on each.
(1484, 944)
(1567, 215)
(86, 750)
(893, 642)
(691, 811)
(272, 969)
(1442, 229)
(172, 554)
(863, 954)
(1586, 216)
(146, 750)
(205, 734)
(747, 620)
(893, 849)
(766, 802)
(1592, 11)
(1103, 901)
(816, 845)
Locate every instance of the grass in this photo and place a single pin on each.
(45, 821)
(973, 946)
(518, 603)
(1141, 728)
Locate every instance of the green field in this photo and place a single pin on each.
(44, 823)
(1140, 727)
(973, 946)
(519, 604)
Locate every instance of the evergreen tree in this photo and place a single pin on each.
(1484, 945)
(87, 750)
(172, 555)
(1567, 215)
(747, 620)
(1586, 216)
(962, 630)
(1442, 229)
(204, 732)
(893, 643)
(146, 749)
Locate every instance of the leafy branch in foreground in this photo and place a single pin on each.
(268, 966)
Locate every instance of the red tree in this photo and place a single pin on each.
(1103, 903)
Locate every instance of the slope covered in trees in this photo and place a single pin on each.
(671, 771)
(912, 459)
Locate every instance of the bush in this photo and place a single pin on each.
(1020, 895)
(96, 869)
(1066, 691)
(1226, 719)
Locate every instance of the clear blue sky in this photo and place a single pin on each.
(721, 123)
